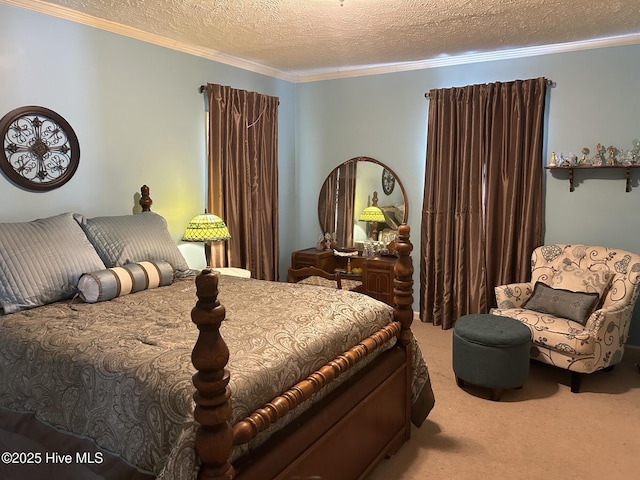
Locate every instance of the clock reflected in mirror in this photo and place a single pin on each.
(388, 182)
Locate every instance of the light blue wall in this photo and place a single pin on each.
(595, 100)
(139, 118)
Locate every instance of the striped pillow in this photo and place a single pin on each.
(133, 277)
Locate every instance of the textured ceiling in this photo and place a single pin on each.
(307, 37)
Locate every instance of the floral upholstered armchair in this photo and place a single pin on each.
(578, 306)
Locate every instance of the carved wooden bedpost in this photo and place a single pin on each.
(213, 408)
(403, 284)
(145, 200)
(403, 310)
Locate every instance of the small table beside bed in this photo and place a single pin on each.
(278, 380)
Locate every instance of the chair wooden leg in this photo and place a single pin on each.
(576, 379)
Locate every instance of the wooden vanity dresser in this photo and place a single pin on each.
(345, 194)
(377, 272)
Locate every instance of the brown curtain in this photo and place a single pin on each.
(482, 206)
(346, 203)
(243, 178)
(336, 202)
(327, 202)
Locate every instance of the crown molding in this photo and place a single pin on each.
(304, 76)
(117, 28)
(446, 61)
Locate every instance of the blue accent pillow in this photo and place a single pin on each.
(124, 239)
(42, 260)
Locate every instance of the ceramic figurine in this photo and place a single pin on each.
(597, 157)
(573, 159)
(583, 159)
(635, 151)
(552, 161)
(333, 241)
(612, 155)
(327, 241)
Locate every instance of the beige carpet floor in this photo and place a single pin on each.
(542, 431)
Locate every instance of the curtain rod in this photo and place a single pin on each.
(203, 88)
(550, 83)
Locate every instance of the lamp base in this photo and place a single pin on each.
(374, 231)
(207, 253)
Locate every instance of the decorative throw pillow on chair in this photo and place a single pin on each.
(576, 306)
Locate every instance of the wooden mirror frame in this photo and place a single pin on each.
(377, 186)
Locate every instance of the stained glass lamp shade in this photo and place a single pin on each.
(374, 215)
(206, 228)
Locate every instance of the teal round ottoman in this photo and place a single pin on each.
(491, 351)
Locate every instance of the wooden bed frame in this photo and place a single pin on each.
(344, 435)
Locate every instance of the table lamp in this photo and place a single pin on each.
(206, 228)
(374, 215)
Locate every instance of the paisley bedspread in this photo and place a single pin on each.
(119, 371)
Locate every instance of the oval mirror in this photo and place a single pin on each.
(351, 187)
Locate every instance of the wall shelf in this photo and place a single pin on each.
(602, 167)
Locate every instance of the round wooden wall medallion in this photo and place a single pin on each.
(40, 150)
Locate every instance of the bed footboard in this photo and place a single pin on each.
(248, 428)
(383, 400)
(345, 435)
